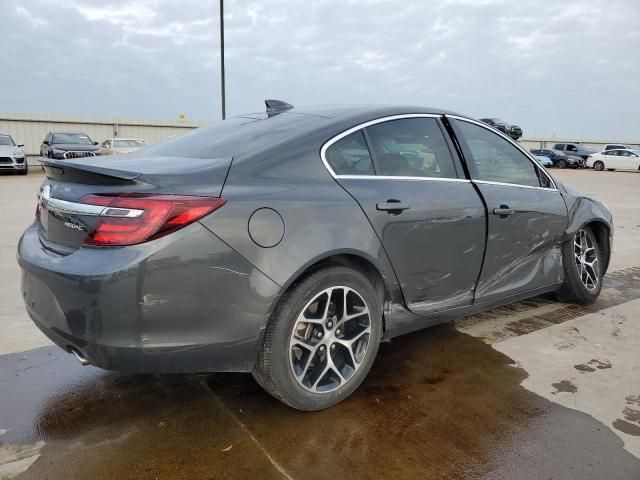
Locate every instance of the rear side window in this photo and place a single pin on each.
(411, 147)
(494, 159)
(350, 156)
(559, 146)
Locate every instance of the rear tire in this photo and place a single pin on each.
(599, 166)
(582, 268)
(314, 355)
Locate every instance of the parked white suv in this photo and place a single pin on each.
(12, 156)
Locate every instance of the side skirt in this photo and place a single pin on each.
(399, 320)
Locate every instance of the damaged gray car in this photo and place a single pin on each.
(291, 243)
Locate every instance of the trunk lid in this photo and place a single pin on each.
(65, 221)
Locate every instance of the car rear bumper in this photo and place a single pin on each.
(183, 303)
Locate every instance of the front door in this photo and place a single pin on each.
(527, 216)
(430, 220)
(627, 160)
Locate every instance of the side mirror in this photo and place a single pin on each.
(95, 143)
(46, 142)
(21, 145)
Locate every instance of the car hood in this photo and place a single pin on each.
(9, 150)
(75, 147)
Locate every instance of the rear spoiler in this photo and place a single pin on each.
(200, 176)
(58, 168)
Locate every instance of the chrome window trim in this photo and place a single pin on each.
(514, 143)
(489, 182)
(334, 139)
(392, 177)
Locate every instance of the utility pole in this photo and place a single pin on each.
(224, 114)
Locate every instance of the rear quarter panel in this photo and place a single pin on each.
(320, 218)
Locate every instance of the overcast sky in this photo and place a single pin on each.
(569, 68)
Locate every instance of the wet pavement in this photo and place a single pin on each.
(437, 404)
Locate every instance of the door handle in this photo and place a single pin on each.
(504, 211)
(393, 207)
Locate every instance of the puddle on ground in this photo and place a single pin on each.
(437, 404)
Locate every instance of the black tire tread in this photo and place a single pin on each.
(572, 291)
(263, 370)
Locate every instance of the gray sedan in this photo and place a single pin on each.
(290, 244)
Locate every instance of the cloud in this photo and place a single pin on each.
(565, 68)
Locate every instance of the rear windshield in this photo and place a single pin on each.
(229, 137)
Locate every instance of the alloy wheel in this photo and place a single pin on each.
(330, 339)
(586, 257)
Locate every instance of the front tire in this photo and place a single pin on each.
(322, 339)
(562, 164)
(582, 268)
(599, 166)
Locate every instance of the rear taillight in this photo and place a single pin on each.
(136, 218)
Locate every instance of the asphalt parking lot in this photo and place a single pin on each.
(538, 389)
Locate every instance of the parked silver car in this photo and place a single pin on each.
(116, 146)
(12, 156)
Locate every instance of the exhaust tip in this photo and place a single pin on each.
(80, 358)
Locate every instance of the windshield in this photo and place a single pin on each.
(128, 143)
(72, 138)
(497, 120)
(6, 140)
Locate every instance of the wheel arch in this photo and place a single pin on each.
(384, 281)
(602, 231)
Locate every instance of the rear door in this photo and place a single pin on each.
(429, 218)
(527, 215)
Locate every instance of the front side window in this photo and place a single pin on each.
(494, 159)
(411, 147)
(350, 156)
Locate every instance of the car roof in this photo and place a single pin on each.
(342, 112)
(124, 138)
(68, 132)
